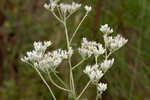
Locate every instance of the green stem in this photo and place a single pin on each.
(61, 88)
(84, 90)
(60, 14)
(45, 83)
(72, 79)
(70, 14)
(96, 59)
(78, 27)
(69, 60)
(57, 17)
(78, 64)
(98, 96)
(60, 79)
(66, 32)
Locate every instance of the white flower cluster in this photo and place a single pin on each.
(89, 48)
(52, 59)
(106, 64)
(69, 8)
(65, 9)
(88, 8)
(112, 43)
(44, 61)
(49, 60)
(101, 87)
(106, 29)
(96, 72)
(37, 53)
(52, 5)
(93, 72)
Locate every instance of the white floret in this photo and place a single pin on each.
(101, 87)
(114, 43)
(89, 48)
(93, 72)
(106, 64)
(106, 29)
(88, 8)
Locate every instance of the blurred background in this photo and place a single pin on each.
(24, 21)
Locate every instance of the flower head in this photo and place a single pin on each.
(47, 6)
(37, 53)
(107, 64)
(69, 8)
(52, 59)
(101, 87)
(106, 29)
(49, 60)
(88, 8)
(99, 50)
(93, 72)
(90, 47)
(114, 43)
(51, 6)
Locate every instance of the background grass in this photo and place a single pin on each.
(25, 21)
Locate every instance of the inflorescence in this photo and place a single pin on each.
(43, 60)
(95, 72)
(64, 10)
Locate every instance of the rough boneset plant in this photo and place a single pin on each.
(48, 62)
